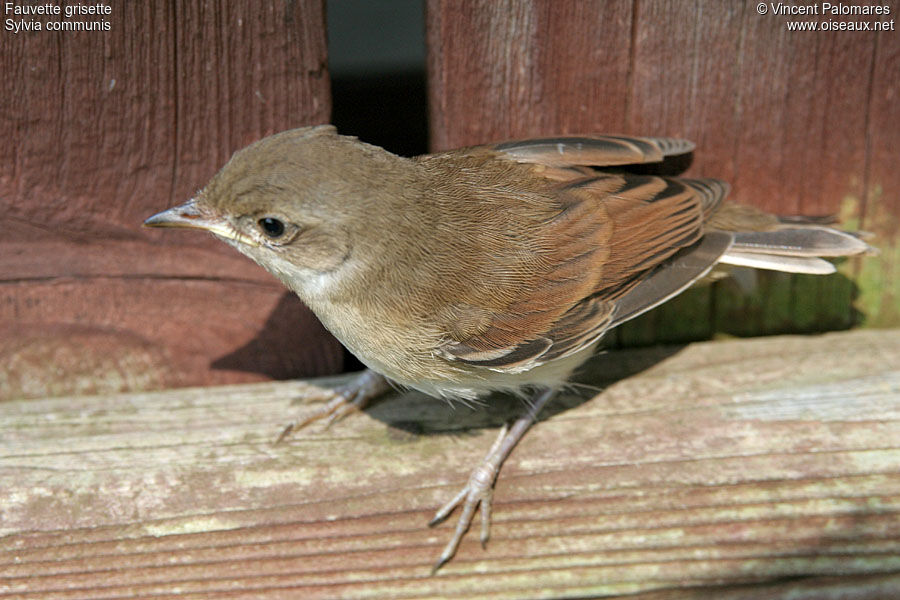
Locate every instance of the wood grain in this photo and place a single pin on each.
(500, 70)
(101, 130)
(736, 469)
(881, 208)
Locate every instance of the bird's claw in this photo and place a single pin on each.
(350, 397)
(479, 489)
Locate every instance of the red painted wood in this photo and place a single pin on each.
(103, 128)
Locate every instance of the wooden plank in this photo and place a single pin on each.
(728, 469)
(796, 122)
(101, 130)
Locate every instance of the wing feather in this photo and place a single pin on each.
(608, 245)
(598, 151)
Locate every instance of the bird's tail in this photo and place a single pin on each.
(793, 244)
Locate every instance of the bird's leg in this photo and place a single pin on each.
(353, 395)
(480, 487)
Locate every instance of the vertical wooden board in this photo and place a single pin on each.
(684, 78)
(762, 97)
(514, 69)
(663, 68)
(246, 70)
(801, 99)
(880, 278)
(104, 128)
(578, 100)
(91, 125)
(842, 86)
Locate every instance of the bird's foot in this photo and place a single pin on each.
(478, 490)
(353, 395)
(480, 487)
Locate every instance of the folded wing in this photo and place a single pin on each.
(608, 241)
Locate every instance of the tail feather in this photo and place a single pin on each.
(807, 219)
(800, 241)
(778, 262)
(794, 248)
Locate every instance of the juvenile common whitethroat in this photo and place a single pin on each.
(487, 268)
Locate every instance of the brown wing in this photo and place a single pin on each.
(608, 248)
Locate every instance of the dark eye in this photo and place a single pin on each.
(271, 227)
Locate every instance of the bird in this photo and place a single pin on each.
(490, 268)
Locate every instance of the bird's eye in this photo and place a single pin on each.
(273, 228)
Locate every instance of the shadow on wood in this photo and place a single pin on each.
(288, 344)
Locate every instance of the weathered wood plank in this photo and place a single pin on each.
(733, 463)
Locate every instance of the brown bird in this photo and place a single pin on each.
(488, 268)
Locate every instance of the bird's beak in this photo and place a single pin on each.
(192, 215)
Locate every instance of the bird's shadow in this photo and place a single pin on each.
(670, 166)
(413, 413)
(291, 344)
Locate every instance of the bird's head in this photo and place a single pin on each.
(294, 202)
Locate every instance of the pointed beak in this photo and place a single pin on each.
(188, 215)
(192, 215)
